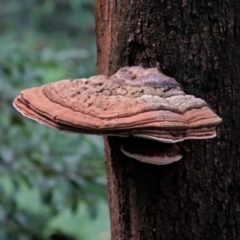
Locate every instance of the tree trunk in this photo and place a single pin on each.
(197, 43)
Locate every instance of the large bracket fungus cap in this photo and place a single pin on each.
(133, 102)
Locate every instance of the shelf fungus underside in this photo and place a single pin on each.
(134, 102)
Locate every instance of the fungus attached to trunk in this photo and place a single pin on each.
(153, 152)
(138, 102)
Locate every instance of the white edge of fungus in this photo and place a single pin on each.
(165, 140)
(153, 160)
(35, 119)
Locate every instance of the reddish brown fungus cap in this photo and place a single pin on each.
(132, 102)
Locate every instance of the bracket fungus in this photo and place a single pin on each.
(135, 102)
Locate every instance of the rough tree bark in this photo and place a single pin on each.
(197, 43)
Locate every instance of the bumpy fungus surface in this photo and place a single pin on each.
(133, 102)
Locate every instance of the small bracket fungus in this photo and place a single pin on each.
(138, 102)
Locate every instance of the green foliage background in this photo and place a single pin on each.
(52, 184)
